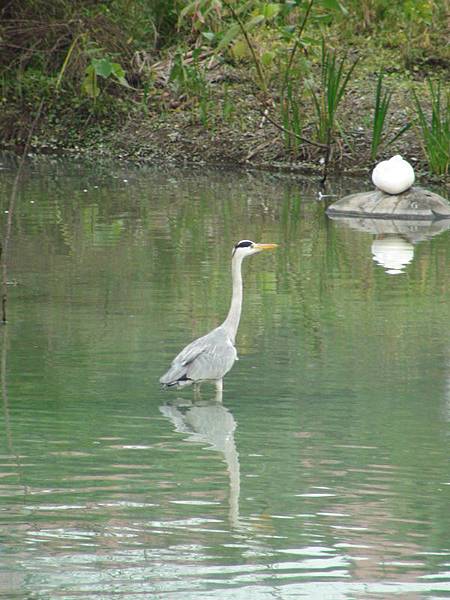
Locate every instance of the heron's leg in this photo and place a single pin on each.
(197, 394)
(219, 389)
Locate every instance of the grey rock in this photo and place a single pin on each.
(416, 204)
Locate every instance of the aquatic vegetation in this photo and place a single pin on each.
(435, 131)
(381, 108)
(326, 99)
(292, 120)
(135, 65)
(331, 90)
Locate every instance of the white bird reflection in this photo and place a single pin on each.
(393, 253)
(394, 239)
(211, 422)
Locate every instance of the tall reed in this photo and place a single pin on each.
(291, 119)
(382, 102)
(333, 84)
(381, 108)
(436, 131)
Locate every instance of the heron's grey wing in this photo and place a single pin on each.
(192, 350)
(178, 367)
(214, 362)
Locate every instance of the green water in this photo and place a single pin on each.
(323, 474)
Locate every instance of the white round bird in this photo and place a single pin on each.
(210, 357)
(393, 176)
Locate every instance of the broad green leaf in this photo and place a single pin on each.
(310, 41)
(325, 19)
(102, 66)
(271, 10)
(209, 35)
(254, 22)
(189, 9)
(229, 36)
(267, 58)
(119, 74)
(334, 5)
(117, 70)
(288, 29)
(240, 49)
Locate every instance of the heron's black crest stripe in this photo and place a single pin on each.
(244, 244)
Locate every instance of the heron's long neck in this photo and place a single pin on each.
(231, 323)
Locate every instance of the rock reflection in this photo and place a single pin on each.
(394, 239)
(210, 422)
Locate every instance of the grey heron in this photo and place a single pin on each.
(210, 357)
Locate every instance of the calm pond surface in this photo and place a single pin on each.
(324, 473)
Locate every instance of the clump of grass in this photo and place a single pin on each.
(382, 103)
(227, 106)
(291, 120)
(333, 84)
(436, 131)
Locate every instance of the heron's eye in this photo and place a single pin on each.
(244, 244)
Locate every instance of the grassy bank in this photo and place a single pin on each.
(312, 84)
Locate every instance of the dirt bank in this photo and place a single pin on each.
(238, 127)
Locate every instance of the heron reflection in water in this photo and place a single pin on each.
(210, 357)
(214, 424)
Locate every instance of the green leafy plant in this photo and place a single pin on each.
(105, 69)
(229, 24)
(224, 22)
(435, 131)
(187, 77)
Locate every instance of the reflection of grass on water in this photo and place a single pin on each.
(180, 245)
(5, 345)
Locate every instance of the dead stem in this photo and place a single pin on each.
(11, 208)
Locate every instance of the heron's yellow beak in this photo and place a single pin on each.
(261, 247)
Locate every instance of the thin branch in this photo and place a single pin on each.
(238, 20)
(284, 130)
(295, 47)
(11, 208)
